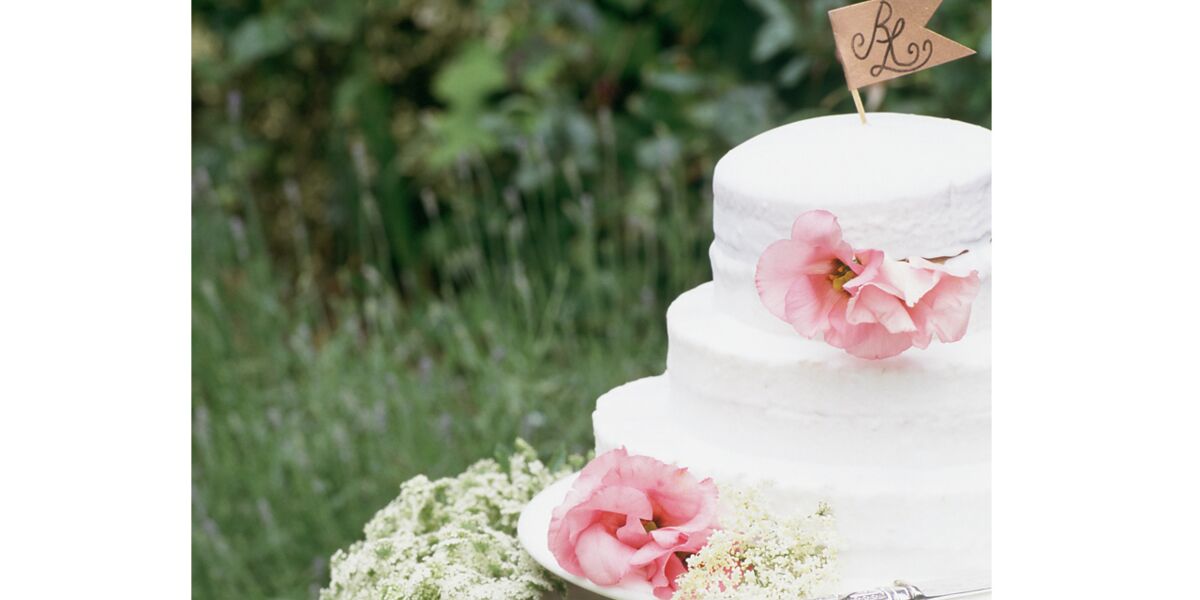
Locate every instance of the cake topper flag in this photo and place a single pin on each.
(878, 40)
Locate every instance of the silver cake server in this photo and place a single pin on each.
(944, 589)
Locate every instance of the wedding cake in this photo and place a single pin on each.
(898, 447)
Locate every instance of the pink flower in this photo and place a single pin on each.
(632, 517)
(944, 309)
(801, 280)
(861, 301)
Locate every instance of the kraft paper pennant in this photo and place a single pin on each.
(878, 40)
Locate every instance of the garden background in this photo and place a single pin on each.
(422, 229)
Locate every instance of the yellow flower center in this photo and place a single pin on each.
(840, 275)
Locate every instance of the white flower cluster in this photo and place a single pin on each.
(758, 554)
(450, 538)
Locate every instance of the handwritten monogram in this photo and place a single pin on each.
(916, 55)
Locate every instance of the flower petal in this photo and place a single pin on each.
(874, 305)
(898, 278)
(868, 340)
(603, 558)
(808, 304)
(780, 265)
(620, 499)
(566, 523)
(910, 282)
(666, 571)
(946, 310)
(669, 537)
(649, 554)
(589, 480)
(601, 535)
(817, 228)
(633, 533)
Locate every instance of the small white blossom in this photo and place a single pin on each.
(450, 538)
(758, 554)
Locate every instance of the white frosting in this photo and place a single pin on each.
(900, 447)
(928, 407)
(915, 521)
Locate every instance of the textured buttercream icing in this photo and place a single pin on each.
(899, 447)
(915, 521)
(922, 408)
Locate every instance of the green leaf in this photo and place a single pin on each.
(335, 21)
(675, 82)
(777, 33)
(539, 76)
(460, 132)
(659, 152)
(257, 38)
(746, 111)
(630, 6)
(470, 77)
(794, 70)
(772, 39)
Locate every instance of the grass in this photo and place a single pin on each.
(313, 401)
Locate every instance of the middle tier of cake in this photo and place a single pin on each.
(798, 397)
(898, 447)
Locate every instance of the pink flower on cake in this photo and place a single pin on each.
(945, 308)
(801, 280)
(861, 301)
(632, 517)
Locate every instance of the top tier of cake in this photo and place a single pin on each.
(906, 184)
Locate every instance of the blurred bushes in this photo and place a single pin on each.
(384, 128)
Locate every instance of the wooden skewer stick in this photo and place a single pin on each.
(862, 113)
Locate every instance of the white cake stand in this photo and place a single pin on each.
(531, 531)
(533, 526)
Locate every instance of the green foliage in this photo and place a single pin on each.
(395, 103)
(423, 228)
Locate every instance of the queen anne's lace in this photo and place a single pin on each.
(761, 555)
(456, 538)
(450, 538)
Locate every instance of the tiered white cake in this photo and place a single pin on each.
(898, 447)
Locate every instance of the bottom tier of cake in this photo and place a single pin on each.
(893, 522)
